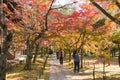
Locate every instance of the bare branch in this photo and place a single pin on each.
(105, 12)
(64, 5)
(46, 16)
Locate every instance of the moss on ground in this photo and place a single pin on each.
(17, 72)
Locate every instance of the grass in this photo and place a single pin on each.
(17, 72)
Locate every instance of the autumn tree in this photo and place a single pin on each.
(70, 30)
(8, 18)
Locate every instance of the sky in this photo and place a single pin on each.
(63, 2)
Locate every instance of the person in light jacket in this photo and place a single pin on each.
(76, 61)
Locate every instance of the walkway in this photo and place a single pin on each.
(59, 72)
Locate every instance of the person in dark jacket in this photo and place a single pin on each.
(76, 61)
(61, 56)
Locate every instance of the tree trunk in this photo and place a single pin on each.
(34, 58)
(4, 45)
(29, 51)
(104, 75)
(4, 51)
(69, 55)
(119, 59)
(94, 72)
(44, 65)
(29, 55)
(119, 56)
(36, 53)
(3, 66)
(81, 58)
(28, 63)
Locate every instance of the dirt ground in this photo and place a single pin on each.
(65, 71)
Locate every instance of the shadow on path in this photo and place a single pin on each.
(59, 72)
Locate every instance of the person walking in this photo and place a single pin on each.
(76, 61)
(60, 56)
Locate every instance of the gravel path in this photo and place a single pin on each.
(59, 72)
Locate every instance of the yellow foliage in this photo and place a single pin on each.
(44, 2)
(117, 15)
(106, 55)
(112, 7)
(111, 24)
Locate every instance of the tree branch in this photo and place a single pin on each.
(117, 3)
(64, 5)
(77, 39)
(46, 16)
(105, 12)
